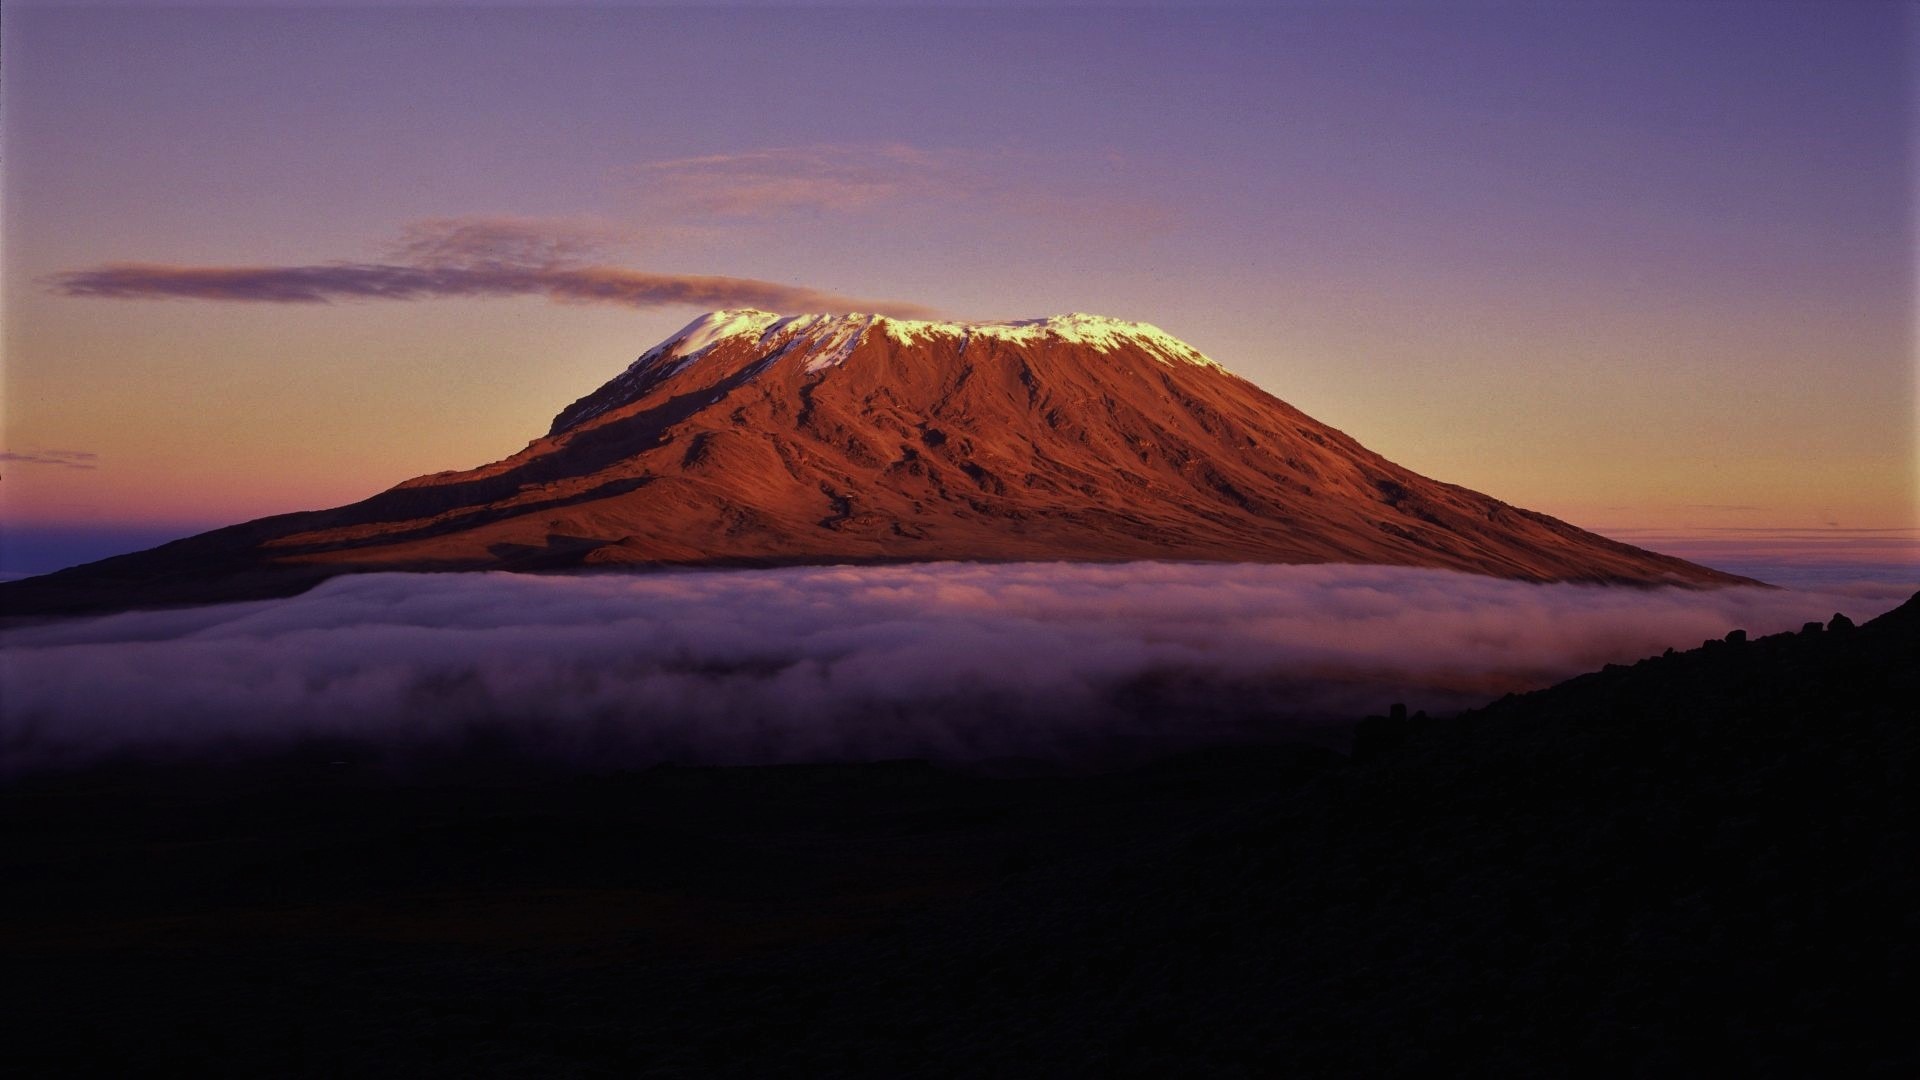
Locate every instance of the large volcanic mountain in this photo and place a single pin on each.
(751, 438)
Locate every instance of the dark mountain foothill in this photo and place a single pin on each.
(1699, 864)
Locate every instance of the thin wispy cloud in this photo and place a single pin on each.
(67, 459)
(512, 241)
(863, 178)
(466, 257)
(326, 282)
(812, 179)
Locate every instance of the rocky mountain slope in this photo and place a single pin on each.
(750, 438)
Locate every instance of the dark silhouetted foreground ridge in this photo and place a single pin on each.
(1702, 864)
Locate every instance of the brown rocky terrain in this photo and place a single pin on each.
(753, 439)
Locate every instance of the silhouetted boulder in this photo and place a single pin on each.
(1377, 735)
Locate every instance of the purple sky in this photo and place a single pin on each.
(1637, 265)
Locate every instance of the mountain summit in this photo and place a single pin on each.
(750, 438)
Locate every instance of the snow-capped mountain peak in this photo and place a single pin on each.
(833, 332)
(824, 341)
(752, 438)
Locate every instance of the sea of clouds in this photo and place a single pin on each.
(957, 662)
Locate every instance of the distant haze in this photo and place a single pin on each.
(38, 548)
(955, 662)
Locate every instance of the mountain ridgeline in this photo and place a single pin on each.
(750, 438)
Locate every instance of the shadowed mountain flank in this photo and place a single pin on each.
(754, 439)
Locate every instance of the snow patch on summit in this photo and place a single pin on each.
(831, 339)
(664, 360)
(836, 341)
(827, 341)
(1077, 328)
(716, 326)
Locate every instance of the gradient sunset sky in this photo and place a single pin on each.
(1641, 266)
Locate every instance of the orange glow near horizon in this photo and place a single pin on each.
(1523, 255)
(357, 399)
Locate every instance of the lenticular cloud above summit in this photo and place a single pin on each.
(954, 662)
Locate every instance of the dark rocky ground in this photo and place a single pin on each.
(1701, 864)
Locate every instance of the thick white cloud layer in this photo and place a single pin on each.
(956, 662)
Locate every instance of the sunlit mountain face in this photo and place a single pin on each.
(749, 438)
